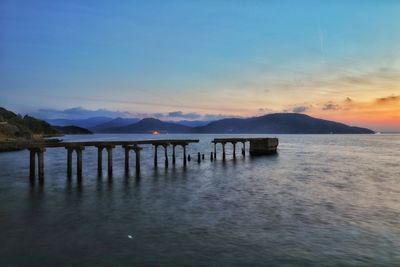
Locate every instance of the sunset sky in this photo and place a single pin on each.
(337, 60)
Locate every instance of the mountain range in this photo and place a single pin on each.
(277, 123)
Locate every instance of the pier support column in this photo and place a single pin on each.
(69, 161)
(223, 151)
(215, 150)
(40, 153)
(211, 156)
(32, 166)
(155, 155)
(127, 149)
(166, 155)
(184, 155)
(244, 148)
(198, 157)
(234, 149)
(79, 162)
(110, 160)
(100, 160)
(173, 154)
(137, 152)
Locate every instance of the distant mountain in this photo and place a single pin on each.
(149, 125)
(280, 123)
(72, 130)
(14, 126)
(115, 123)
(84, 123)
(191, 123)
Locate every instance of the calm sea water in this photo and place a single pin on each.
(323, 200)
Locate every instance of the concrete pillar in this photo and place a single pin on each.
(32, 167)
(184, 155)
(41, 162)
(155, 156)
(166, 155)
(127, 158)
(198, 157)
(234, 149)
(99, 160)
(223, 151)
(79, 162)
(69, 161)
(137, 152)
(173, 154)
(215, 150)
(109, 160)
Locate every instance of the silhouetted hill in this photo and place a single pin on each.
(280, 123)
(16, 126)
(72, 130)
(115, 123)
(148, 125)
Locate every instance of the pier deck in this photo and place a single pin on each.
(37, 150)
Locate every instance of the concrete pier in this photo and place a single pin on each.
(136, 149)
(36, 150)
(258, 146)
(70, 150)
(263, 146)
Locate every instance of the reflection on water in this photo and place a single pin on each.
(322, 200)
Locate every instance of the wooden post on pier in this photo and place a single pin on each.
(198, 157)
(234, 149)
(223, 150)
(244, 149)
(211, 156)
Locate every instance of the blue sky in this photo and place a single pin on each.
(238, 58)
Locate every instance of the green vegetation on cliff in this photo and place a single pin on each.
(14, 126)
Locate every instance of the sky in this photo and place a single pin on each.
(337, 60)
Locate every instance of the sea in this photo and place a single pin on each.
(321, 200)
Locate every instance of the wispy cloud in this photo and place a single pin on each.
(180, 114)
(330, 106)
(300, 109)
(388, 99)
